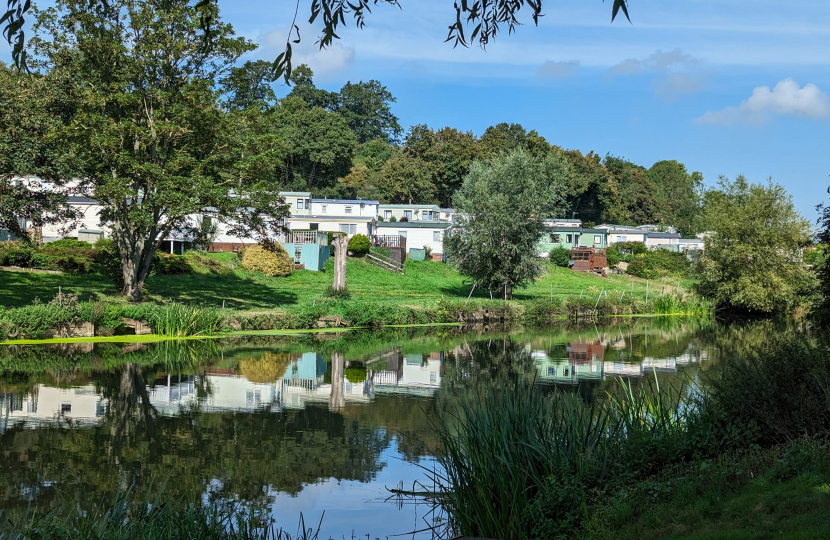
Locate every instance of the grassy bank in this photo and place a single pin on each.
(422, 283)
(520, 463)
(217, 296)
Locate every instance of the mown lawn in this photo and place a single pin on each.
(421, 283)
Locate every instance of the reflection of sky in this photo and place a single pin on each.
(355, 507)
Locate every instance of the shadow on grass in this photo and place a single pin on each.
(239, 292)
(21, 288)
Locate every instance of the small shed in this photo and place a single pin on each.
(588, 259)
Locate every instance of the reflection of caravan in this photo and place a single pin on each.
(566, 370)
(411, 374)
(49, 405)
(304, 383)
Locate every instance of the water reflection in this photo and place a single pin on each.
(281, 424)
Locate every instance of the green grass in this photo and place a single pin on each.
(421, 283)
(723, 505)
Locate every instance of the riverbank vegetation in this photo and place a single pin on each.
(200, 293)
(522, 463)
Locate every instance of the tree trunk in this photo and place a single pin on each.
(337, 400)
(341, 251)
(507, 291)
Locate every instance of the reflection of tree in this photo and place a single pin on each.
(243, 455)
(337, 400)
(130, 416)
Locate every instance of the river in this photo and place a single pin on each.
(303, 424)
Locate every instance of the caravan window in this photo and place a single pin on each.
(299, 204)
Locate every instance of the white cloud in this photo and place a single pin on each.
(786, 98)
(657, 61)
(556, 70)
(325, 63)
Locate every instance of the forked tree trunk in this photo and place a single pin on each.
(341, 251)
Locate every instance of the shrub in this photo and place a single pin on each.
(171, 264)
(359, 245)
(629, 249)
(613, 255)
(770, 395)
(560, 256)
(108, 261)
(16, 254)
(275, 262)
(639, 268)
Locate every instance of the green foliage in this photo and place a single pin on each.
(560, 257)
(678, 195)
(359, 245)
(356, 374)
(338, 294)
(184, 145)
(171, 264)
(659, 263)
(822, 307)
(155, 517)
(530, 449)
(16, 254)
(752, 259)
(770, 395)
(501, 206)
(274, 261)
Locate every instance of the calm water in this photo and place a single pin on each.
(290, 425)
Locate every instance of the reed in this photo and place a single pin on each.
(520, 463)
(181, 320)
(157, 519)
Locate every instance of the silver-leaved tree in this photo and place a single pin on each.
(501, 207)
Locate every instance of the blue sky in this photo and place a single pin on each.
(685, 80)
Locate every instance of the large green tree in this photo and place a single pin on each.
(320, 145)
(501, 207)
(32, 111)
(148, 136)
(678, 194)
(752, 259)
(629, 196)
(823, 310)
(448, 152)
(365, 106)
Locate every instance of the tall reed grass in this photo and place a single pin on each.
(157, 519)
(179, 320)
(520, 463)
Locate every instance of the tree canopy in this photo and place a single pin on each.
(501, 206)
(752, 259)
(823, 309)
(147, 137)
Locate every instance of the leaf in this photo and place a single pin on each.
(620, 4)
